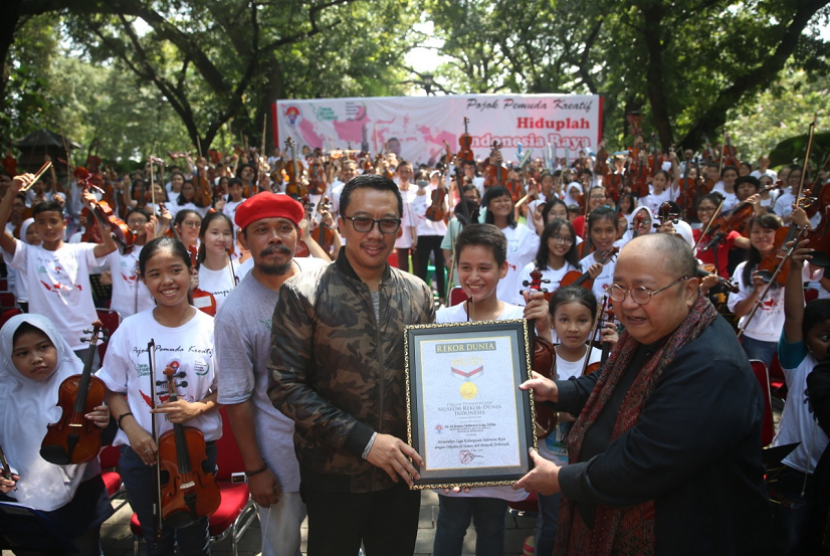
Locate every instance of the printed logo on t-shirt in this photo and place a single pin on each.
(142, 369)
(201, 367)
(267, 323)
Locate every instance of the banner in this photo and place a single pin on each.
(416, 128)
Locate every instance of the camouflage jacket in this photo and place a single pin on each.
(338, 373)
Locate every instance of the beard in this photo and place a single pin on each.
(276, 269)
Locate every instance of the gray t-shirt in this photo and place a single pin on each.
(242, 332)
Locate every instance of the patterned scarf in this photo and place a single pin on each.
(622, 530)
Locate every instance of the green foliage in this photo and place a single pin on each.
(784, 109)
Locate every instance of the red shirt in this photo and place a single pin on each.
(723, 249)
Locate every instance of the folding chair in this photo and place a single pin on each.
(111, 321)
(236, 511)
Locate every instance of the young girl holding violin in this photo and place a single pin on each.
(184, 341)
(216, 271)
(573, 310)
(602, 232)
(761, 334)
(481, 255)
(522, 243)
(658, 192)
(36, 361)
(129, 295)
(557, 255)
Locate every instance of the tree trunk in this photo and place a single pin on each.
(8, 25)
(655, 89)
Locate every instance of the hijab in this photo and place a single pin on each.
(24, 227)
(629, 233)
(27, 407)
(570, 199)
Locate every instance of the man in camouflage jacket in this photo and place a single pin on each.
(337, 366)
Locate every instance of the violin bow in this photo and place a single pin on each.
(40, 172)
(807, 157)
(157, 517)
(709, 225)
(595, 331)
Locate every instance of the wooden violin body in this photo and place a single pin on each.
(437, 211)
(466, 144)
(187, 492)
(544, 363)
(75, 439)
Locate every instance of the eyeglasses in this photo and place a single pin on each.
(364, 224)
(562, 239)
(641, 294)
(706, 209)
(191, 224)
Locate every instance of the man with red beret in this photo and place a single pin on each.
(270, 228)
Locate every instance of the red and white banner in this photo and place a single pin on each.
(415, 128)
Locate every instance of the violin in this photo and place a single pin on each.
(776, 265)
(204, 193)
(820, 236)
(689, 193)
(107, 220)
(544, 361)
(324, 235)
(302, 248)
(576, 278)
(294, 173)
(437, 211)
(495, 174)
(202, 300)
(10, 163)
(738, 220)
(601, 167)
(606, 314)
(665, 214)
(75, 439)
(730, 154)
(5, 469)
(709, 154)
(709, 269)
(316, 180)
(466, 143)
(187, 492)
(641, 177)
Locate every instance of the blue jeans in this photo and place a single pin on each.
(193, 540)
(547, 523)
(760, 350)
(454, 518)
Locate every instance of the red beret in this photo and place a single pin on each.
(268, 205)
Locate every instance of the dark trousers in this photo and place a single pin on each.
(403, 260)
(385, 521)
(427, 245)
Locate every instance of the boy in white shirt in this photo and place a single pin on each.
(58, 271)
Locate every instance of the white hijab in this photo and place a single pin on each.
(26, 408)
(570, 199)
(629, 233)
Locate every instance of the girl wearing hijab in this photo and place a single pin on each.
(641, 224)
(36, 360)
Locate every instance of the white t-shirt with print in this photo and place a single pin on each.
(219, 283)
(59, 285)
(522, 246)
(128, 291)
(458, 314)
(187, 348)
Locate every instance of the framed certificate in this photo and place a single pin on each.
(466, 416)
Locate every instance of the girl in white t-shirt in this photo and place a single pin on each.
(522, 243)
(216, 272)
(602, 232)
(804, 342)
(183, 338)
(761, 334)
(481, 255)
(573, 310)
